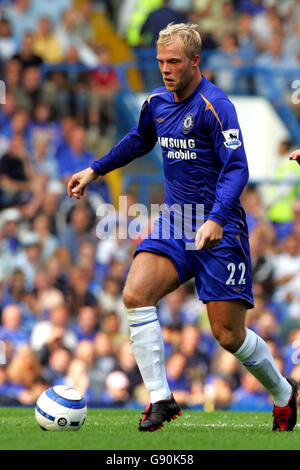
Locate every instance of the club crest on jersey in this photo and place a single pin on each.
(232, 139)
(188, 123)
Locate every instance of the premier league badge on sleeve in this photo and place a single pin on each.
(232, 139)
(188, 123)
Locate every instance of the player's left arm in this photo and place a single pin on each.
(295, 156)
(232, 163)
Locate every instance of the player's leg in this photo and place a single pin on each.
(150, 278)
(227, 319)
(225, 273)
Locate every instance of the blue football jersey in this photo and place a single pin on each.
(204, 159)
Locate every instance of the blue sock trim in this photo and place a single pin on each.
(145, 323)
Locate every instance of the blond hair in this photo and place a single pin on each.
(188, 37)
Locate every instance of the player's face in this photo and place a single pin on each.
(180, 73)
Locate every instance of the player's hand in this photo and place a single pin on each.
(209, 235)
(79, 181)
(295, 156)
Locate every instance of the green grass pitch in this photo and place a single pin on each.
(107, 429)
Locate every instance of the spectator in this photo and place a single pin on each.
(68, 35)
(8, 44)
(225, 62)
(49, 242)
(23, 370)
(291, 41)
(24, 367)
(217, 393)
(112, 248)
(52, 9)
(32, 90)
(262, 243)
(250, 396)
(86, 352)
(116, 392)
(281, 196)
(19, 14)
(29, 260)
(175, 368)
(87, 325)
(110, 300)
(11, 328)
(77, 230)
(110, 324)
(286, 267)
(42, 157)
(77, 378)
(59, 91)
(10, 243)
(26, 55)
(84, 24)
(171, 308)
(104, 84)
(75, 156)
(157, 20)
(46, 44)
(56, 364)
(57, 272)
(16, 175)
(18, 124)
(225, 21)
(54, 332)
(50, 204)
(226, 367)
(14, 289)
(253, 206)
(10, 224)
(127, 364)
(105, 356)
(266, 24)
(78, 293)
(252, 7)
(87, 263)
(47, 295)
(7, 110)
(44, 124)
(197, 362)
(278, 61)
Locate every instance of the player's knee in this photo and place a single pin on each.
(132, 299)
(129, 298)
(227, 338)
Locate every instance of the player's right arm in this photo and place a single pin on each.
(139, 141)
(79, 181)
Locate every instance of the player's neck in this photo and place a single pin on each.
(186, 92)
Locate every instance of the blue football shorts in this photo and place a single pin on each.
(222, 273)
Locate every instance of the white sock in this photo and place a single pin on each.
(257, 358)
(149, 351)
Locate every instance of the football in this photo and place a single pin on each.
(60, 408)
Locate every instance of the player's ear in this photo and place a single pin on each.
(196, 60)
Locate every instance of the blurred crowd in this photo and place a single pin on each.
(236, 35)
(62, 316)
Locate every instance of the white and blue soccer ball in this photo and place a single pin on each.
(60, 408)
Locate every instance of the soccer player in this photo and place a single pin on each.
(204, 165)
